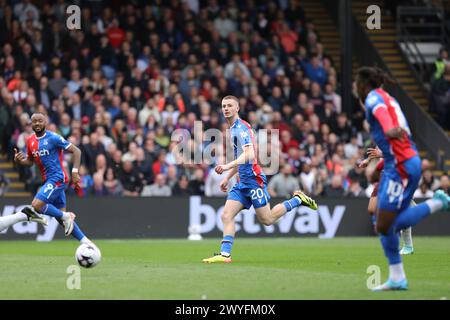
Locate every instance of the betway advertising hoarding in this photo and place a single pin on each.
(156, 217)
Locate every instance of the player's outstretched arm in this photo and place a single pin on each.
(20, 159)
(246, 157)
(76, 163)
(226, 180)
(232, 172)
(374, 153)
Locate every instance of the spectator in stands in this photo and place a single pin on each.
(351, 149)
(288, 38)
(336, 188)
(57, 82)
(98, 188)
(429, 179)
(343, 129)
(143, 167)
(283, 183)
(224, 25)
(26, 10)
(440, 100)
(124, 87)
(423, 192)
(355, 190)
(182, 187)
(315, 71)
(307, 176)
(91, 150)
(444, 183)
(44, 94)
(112, 185)
(358, 174)
(197, 184)
(440, 63)
(331, 96)
(101, 165)
(158, 189)
(172, 176)
(129, 178)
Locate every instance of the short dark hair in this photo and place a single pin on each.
(231, 98)
(39, 112)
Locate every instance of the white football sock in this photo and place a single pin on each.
(396, 272)
(85, 240)
(407, 237)
(7, 221)
(66, 215)
(434, 204)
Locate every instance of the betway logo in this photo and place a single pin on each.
(40, 153)
(30, 227)
(301, 220)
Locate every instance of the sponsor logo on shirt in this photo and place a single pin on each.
(40, 153)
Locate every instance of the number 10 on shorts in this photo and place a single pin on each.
(395, 190)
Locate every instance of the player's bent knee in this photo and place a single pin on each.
(37, 205)
(266, 221)
(227, 217)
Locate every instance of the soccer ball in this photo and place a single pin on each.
(88, 255)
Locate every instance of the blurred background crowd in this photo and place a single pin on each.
(138, 70)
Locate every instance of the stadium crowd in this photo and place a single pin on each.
(440, 89)
(137, 71)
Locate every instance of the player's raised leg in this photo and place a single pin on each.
(390, 242)
(76, 233)
(389, 222)
(231, 209)
(406, 235)
(26, 214)
(50, 210)
(409, 216)
(412, 215)
(268, 216)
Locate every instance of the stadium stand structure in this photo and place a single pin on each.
(15, 188)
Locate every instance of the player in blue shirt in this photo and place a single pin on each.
(251, 188)
(402, 172)
(45, 148)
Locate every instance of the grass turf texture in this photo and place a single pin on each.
(301, 268)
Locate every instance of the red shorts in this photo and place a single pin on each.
(375, 190)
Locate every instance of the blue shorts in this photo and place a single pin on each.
(250, 194)
(393, 194)
(53, 193)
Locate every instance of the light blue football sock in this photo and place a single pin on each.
(77, 233)
(292, 203)
(50, 210)
(227, 244)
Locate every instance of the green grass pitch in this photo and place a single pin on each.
(270, 268)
